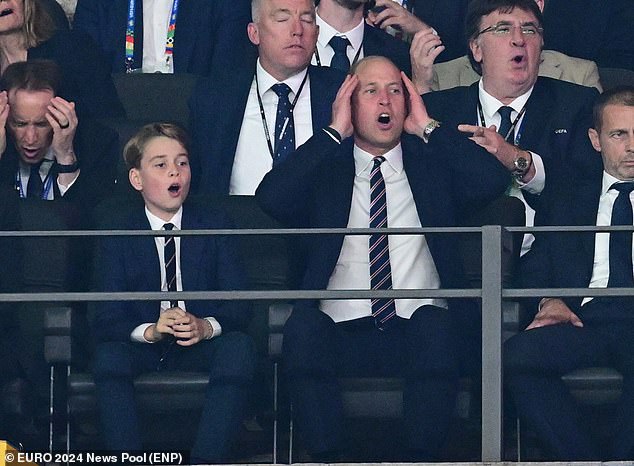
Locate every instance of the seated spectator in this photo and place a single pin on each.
(428, 177)
(342, 22)
(534, 125)
(459, 72)
(444, 17)
(601, 32)
(49, 154)
(168, 36)
(250, 118)
(578, 332)
(28, 33)
(134, 337)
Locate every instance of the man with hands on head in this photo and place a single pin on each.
(49, 154)
(401, 168)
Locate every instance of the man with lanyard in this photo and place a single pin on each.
(344, 37)
(535, 126)
(249, 118)
(41, 159)
(141, 35)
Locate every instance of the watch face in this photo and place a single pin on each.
(521, 163)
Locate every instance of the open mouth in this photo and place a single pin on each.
(174, 188)
(384, 118)
(6, 12)
(518, 59)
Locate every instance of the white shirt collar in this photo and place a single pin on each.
(327, 32)
(266, 81)
(157, 223)
(490, 105)
(608, 181)
(363, 160)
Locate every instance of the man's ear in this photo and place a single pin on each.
(135, 179)
(594, 139)
(476, 51)
(253, 33)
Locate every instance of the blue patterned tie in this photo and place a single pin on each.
(621, 242)
(284, 126)
(340, 60)
(383, 310)
(169, 254)
(505, 123)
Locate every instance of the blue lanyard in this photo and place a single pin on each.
(129, 35)
(48, 184)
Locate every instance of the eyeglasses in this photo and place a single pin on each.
(504, 29)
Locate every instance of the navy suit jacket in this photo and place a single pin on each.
(447, 17)
(217, 108)
(205, 30)
(378, 42)
(208, 263)
(555, 126)
(448, 177)
(86, 79)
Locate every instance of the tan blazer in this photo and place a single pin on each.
(458, 72)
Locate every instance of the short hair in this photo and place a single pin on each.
(478, 9)
(38, 25)
(33, 75)
(620, 95)
(256, 6)
(134, 148)
(356, 65)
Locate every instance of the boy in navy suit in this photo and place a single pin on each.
(144, 336)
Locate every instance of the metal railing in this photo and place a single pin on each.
(491, 293)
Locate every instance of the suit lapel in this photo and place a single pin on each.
(538, 109)
(319, 102)
(191, 249)
(143, 250)
(587, 206)
(185, 35)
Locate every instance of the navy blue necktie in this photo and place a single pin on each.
(383, 310)
(284, 125)
(621, 274)
(506, 123)
(35, 186)
(340, 60)
(169, 254)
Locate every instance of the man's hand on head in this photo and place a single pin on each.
(63, 119)
(417, 118)
(342, 107)
(425, 48)
(394, 15)
(4, 115)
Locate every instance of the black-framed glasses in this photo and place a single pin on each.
(504, 28)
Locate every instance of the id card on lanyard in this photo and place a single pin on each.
(48, 184)
(129, 37)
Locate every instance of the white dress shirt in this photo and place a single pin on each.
(490, 107)
(327, 32)
(601, 265)
(156, 19)
(138, 334)
(410, 259)
(25, 174)
(253, 159)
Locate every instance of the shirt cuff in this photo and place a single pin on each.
(537, 183)
(138, 334)
(62, 188)
(216, 328)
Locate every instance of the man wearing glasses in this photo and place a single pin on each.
(535, 126)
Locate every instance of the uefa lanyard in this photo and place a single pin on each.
(286, 121)
(48, 183)
(129, 36)
(356, 57)
(515, 122)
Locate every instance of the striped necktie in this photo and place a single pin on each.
(170, 261)
(383, 310)
(284, 124)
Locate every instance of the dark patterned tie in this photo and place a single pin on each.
(383, 310)
(340, 60)
(284, 125)
(621, 242)
(505, 123)
(35, 187)
(169, 252)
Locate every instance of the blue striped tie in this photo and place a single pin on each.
(383, 310)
